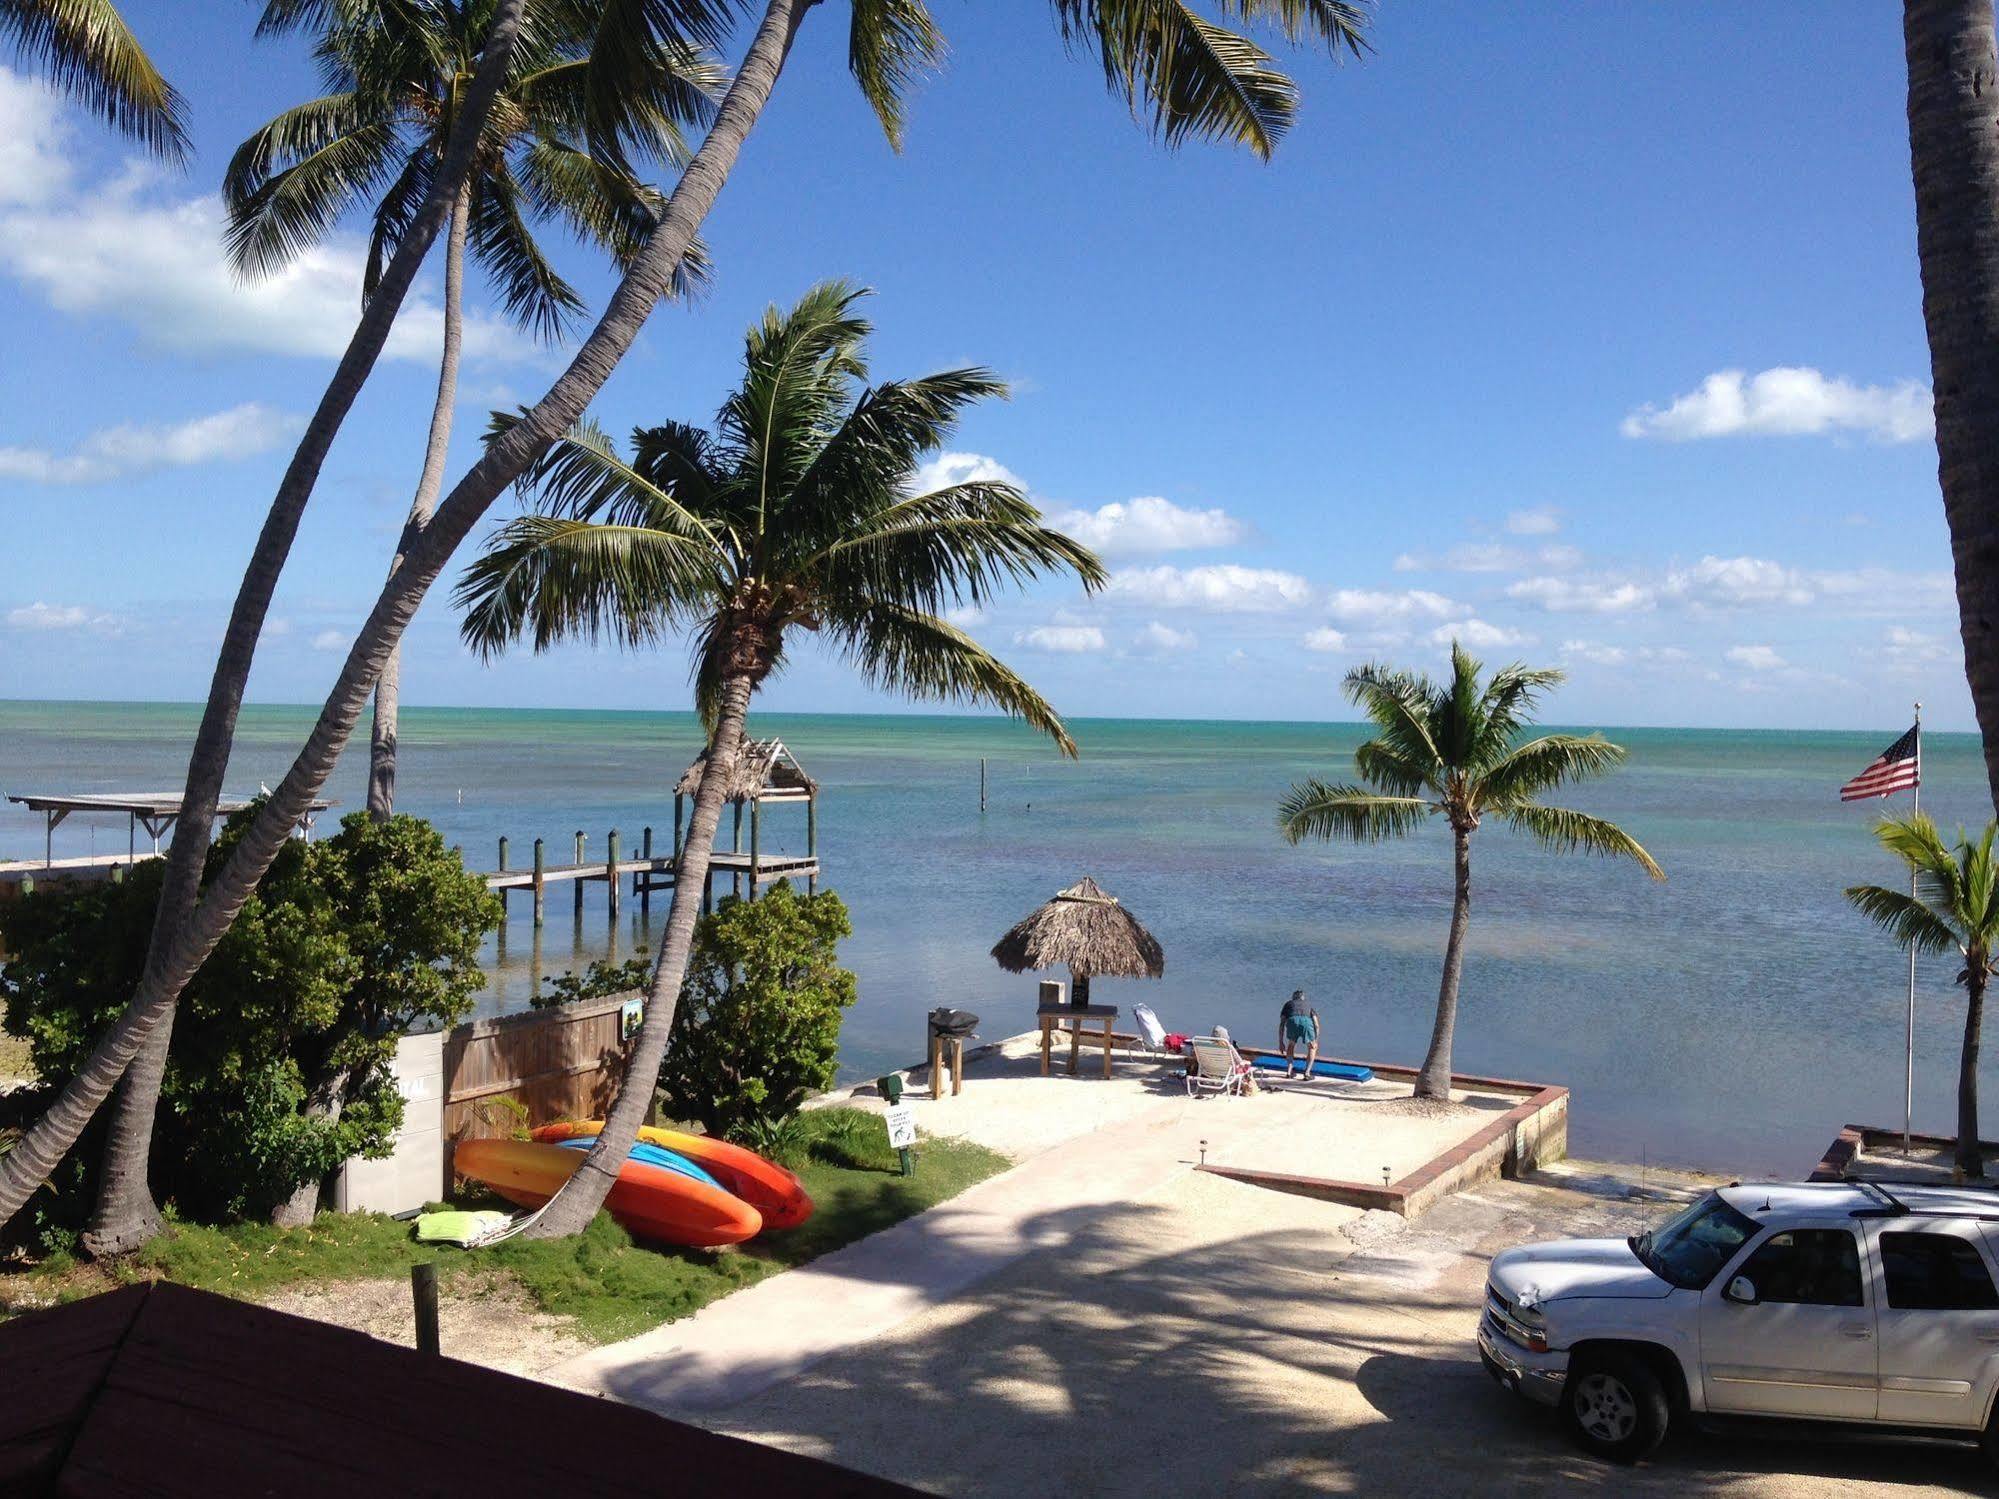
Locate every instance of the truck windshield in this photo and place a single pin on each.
(1690, 1250)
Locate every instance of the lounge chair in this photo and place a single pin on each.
(1151, 1032)
(1218, 1066)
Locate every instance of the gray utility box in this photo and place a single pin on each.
(414, 1174)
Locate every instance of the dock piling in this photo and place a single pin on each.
(643, 882)
(503, 888)
(578, 884)
(610, 875)
(540, 885)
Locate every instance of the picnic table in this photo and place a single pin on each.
(1053, 1018)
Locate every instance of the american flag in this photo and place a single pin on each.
(1899, 767)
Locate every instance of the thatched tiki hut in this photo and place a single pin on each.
(766, 772)
(1090, 933)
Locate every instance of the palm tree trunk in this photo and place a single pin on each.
(382, 737)
(1954, 154)
(124, 1214)
(190, 939)
(1434, 1081)
(572, 1208)
(1970, 1154)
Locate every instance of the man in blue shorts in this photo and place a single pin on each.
(1298, 1025)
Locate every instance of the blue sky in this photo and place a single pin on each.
(1591, 335)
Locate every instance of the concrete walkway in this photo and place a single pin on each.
(775, 1329)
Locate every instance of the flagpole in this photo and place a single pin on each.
(1909, 1053)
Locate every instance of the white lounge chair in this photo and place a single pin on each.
(1150, 1031)
(1218, 1066)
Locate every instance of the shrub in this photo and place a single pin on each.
(759, 1020)
(279, 1068)
(600, 980)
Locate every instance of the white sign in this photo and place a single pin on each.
(901, 1122)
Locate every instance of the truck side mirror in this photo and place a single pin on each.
(1741, 1290)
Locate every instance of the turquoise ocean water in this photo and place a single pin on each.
(1732, 1017)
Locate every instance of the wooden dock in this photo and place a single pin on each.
(646, 871)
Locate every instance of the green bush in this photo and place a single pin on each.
(600, 980)
(279, 1069)
(759, 1020)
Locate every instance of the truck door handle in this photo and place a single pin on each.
(1857, 1330)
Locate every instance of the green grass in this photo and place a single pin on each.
(611, 1287)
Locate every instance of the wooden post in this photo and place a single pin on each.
(503, 856)
(736, 846)
(611, 873)
(503, 888)
(578, 882)
(676, 830)
(982, 783)
(708, 892)
(643, 882)
(756, 827)
(423, 1291)
(812, 841)
(540, 885)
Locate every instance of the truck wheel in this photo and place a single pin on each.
(1615, 1406)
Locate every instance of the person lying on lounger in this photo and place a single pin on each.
(1298, 1025)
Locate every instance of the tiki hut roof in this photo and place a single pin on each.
(1087, 930)
(765, 771)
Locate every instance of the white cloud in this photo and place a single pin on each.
(1756, 657)
(1582, 595)
(1881, 590)
(1219, 588)
(329, 640)
(1788, 401)
(1736, 583)
(1594, 653)
(1325, 640)
(1477, 635)
(34, 160)
(121, 451)
(1165, 639)
(965, 616)
(128, 247)
(1377, 608)
(1907, 647)
(1536, 520)
(1489, 557)
(947, 469)
(1148, 524)
(1062, 640)
(41, 616)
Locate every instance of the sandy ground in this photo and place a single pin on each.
(492, 1323)
(1347, 1131)
(1216, 1338)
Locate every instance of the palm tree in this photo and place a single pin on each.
(1455, 750)
(85, 49)
(395, 75)
(1955, 908)
(1954, 153)
(793, 516)
(1215, 87)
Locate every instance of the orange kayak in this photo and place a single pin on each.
(650, 1201)
(764, 1185)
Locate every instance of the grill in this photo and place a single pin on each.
(953, 1025)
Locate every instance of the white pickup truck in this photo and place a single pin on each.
(1837, 1301)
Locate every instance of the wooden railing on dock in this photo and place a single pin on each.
(648, 871)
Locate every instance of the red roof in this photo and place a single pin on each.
(159, 1390)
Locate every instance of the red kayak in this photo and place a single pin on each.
(650, 1201)
(764, 1185)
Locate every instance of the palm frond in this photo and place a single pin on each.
(1906, 919)
(641, 54)
(85, 49)
(1565, 832)
(290, 181)
(582, 477)
(603, 206)
(551, 579)
(1399, 703)
(1340, 24)
(1543, 764)
(1393, 769)
(914, 654)
(1330, 809)
(890, 45)
(1193, 77)
(532, 292)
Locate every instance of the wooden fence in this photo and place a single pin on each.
(559, 1063)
